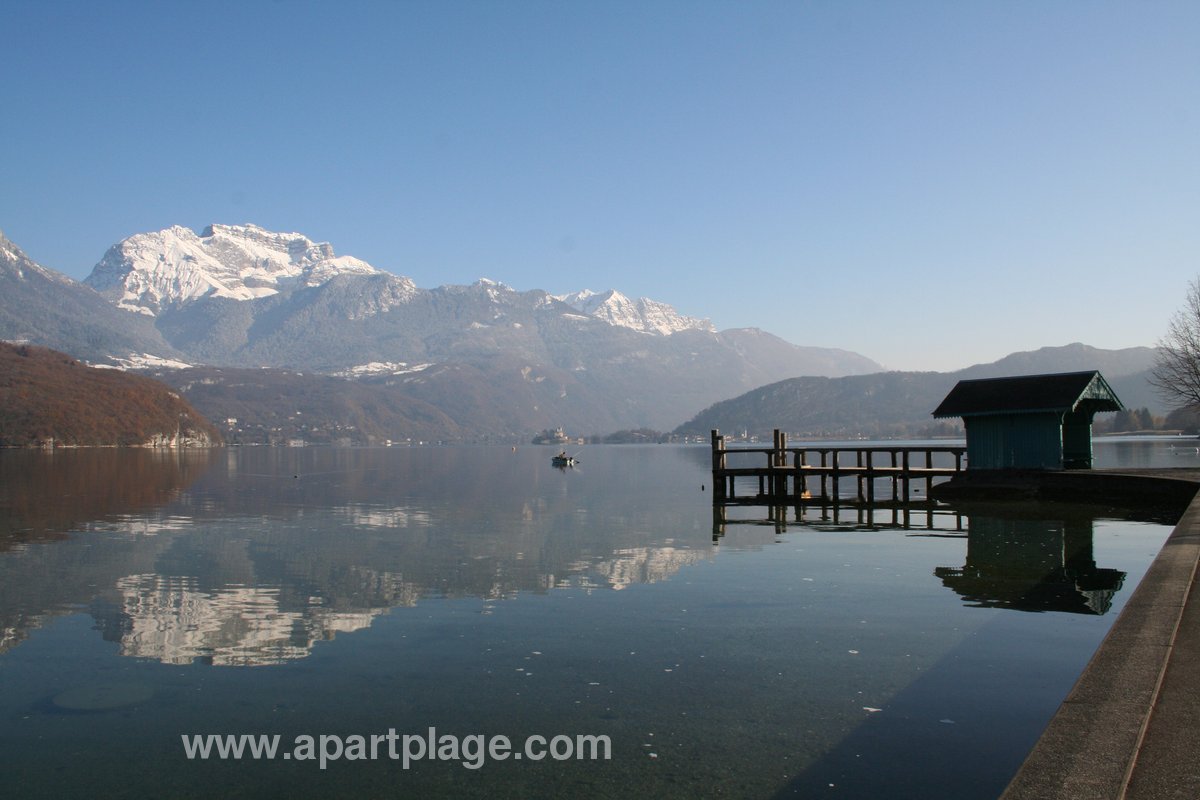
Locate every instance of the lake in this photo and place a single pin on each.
(481, 592)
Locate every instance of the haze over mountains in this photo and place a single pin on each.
(238, 318)
(899, 404)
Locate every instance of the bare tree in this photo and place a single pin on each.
(1176, 372)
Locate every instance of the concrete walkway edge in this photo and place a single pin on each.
(1130, 727)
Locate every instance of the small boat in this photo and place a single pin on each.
(563, 460)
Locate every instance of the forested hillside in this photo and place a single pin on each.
(49, 399)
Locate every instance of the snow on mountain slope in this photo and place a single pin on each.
(644, 315)
(43, 307)
(170, 268)
(14, 262)
(149, 271)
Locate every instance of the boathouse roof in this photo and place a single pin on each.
(1060, 392)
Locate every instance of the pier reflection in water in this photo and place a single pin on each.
(1027, 557)
(843, 515)
(1022, 557)
(480, 590)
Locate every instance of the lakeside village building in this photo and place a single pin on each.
(1030, 421)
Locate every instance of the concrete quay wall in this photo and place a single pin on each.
(1130, 727)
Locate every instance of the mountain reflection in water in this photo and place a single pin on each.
(264, 557)
(47, 494)
(481, 590)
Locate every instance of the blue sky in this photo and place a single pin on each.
(929, 184)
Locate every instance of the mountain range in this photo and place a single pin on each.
(286, 338)
(497, 361)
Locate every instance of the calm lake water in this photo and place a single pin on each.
(480, 591)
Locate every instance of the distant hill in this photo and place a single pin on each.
(882, 405)
(1127, 370)
(272, 406)
(1067, 358)
(48, 398)
(898, 404)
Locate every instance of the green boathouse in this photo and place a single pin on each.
(1030, 421)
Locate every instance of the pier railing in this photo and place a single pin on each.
(787, 475)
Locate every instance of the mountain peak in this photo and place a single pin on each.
(9, 252)
(13, 261)
(643, 315)
(174, 266)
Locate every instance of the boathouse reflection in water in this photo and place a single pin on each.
(1024, 557)
(1029, 564)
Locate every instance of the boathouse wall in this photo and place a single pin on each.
(1077, 439)
(1014, 441)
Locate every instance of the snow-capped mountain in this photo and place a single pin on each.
(173, 267)
(643, 315)
(490, 359)
(44, 307)
(15, 265)
(150, 271)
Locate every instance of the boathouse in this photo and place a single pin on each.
(1030, 421)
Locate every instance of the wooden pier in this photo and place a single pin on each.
(789, 475)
